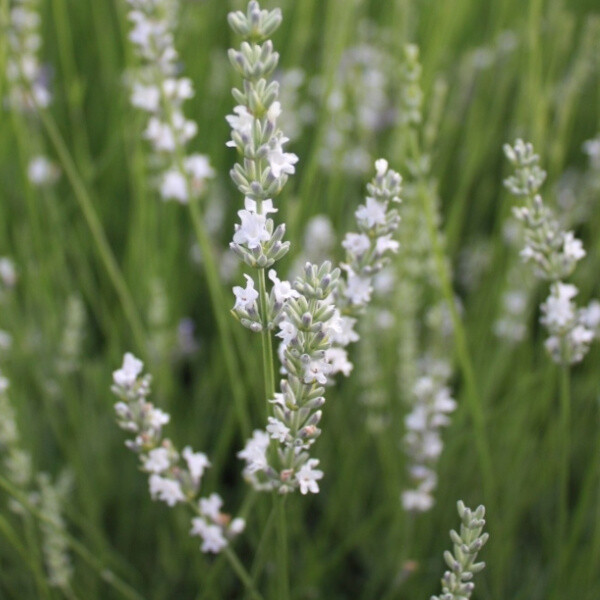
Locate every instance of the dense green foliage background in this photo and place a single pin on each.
(352, 540)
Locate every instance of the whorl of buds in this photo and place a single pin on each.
(456, 582)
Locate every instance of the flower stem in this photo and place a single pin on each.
(267, 344)
(565, 426)
(282, 550)
(241, 572)
(218, 302)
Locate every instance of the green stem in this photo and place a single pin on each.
(72, 86)
(241, 572)
(282, 550)
(261, 548)
(267, 344)
(595, 549)
(91, 217)
(565, 426)
(33, 545)
(595, 545)
(15, 540)
(218, 302)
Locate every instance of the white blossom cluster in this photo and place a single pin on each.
(174, 477)
(457, 582)
(262, 170)
(157, 89)
(41, 171)
(424, 321)
(411, 96)
(431, 404)
(28, 85)
(554, 254)
(27, 80)
(571, 330)
(367, 252)
(264, 165)
(278, 458)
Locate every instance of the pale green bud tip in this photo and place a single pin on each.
(256, 25)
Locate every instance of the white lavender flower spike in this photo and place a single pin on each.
(431, 405)
(174, 477)
(157, 89)
(367, 252)
(278, 458)
(554, 254)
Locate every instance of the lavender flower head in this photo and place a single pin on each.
(174, 477)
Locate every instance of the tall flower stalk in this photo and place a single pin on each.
(174, 476)
(260, 174)
(28, 85)
(554, 254)
(27, 81)
(157, 89)
(424, 268)
(278, 457)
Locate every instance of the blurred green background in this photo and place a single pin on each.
(497, 70)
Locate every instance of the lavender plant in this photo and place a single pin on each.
(157, 89)
(457, 583)
(554, 253)
(424, 369)
(174, 476)
(432, 403)
(367, 253)
(25, 74)
(28, 82)
(360, 91)
(276, 458)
